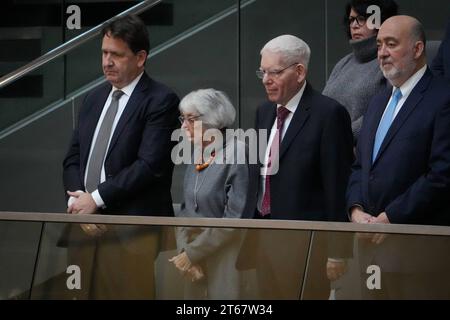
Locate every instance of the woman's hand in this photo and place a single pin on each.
(181, 261)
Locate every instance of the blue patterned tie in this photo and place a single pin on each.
(386, 122)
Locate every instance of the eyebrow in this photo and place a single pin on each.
(387, 39)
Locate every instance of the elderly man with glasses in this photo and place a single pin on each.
(310, 140)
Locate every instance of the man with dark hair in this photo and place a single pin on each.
(134, 171)
(119, 157)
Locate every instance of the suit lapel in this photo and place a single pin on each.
(269, 118)
(132, 105)
(298, 119)
(410, 104)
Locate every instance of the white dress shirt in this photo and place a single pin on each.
(127, 90)
(406, 89)
(292, 107)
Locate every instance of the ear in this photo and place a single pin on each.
(419, 48)
(141, 57)
(301, 71)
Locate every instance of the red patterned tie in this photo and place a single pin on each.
(282, 114)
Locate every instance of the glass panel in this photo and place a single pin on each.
(31, 161)
(133, 262)
(27, 31)
(165, 21)
(382, 266)
(18, 253)
(137, 262)
(116, 265)
(31, 93)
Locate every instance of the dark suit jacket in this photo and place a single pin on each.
(314, 165)
(315, 159)
(441, 63)
(138, 166)
(410, 177)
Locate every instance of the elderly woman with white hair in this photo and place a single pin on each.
(217, 187)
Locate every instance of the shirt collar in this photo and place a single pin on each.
(129, 88)
(295, 100)
(409, 84)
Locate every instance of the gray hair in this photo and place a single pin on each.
(291, 48)
(418, 33)
(214, 107)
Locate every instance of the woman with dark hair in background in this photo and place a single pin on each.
(357, 76)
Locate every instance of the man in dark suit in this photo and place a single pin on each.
(119, 157)
(308, 156)
(402, 171)
(441, 63)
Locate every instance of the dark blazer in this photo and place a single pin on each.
(410, 177)
(441, 63)
(315, 159)
(314, 165)
(138, 166)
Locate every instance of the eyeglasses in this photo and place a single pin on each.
(360, 20)
(188, 119)
(275, 73)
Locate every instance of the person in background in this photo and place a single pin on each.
(357, 77)
(441, 63)
(119, 162)
(402, 170)
(215, 187)
(311, 140)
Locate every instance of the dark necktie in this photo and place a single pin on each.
(95, 165)
(282, 114)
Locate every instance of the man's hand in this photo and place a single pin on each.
(83, 203)
(378, 238)
(381, 218)
(73, 195)
(359, 216)
(336, 268)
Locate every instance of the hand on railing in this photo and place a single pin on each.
(82, 203)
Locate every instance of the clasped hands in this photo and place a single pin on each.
(83, 203)
(184, 264)
(359, 216)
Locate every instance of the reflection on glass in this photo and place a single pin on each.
(118, 264)
(393, 266)
(278, 260)
(210, 270)
(18, 252)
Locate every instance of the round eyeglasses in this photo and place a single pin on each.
(189, 119)
(274, 73)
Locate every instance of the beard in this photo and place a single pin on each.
(395, 72)
(391, 74)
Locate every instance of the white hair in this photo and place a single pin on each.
(213, 105)
(291, 48)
